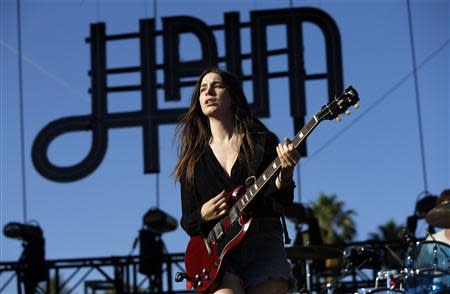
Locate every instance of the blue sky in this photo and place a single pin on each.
(373, 164)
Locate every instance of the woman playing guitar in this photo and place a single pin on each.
(222, 144)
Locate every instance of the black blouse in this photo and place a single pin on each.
(210, 179)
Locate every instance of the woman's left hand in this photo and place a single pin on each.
(289, 156)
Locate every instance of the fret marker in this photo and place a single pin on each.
(274, 165)
(301, 135)
(251, 192)
(264, 177)
(246, 197)
(315, 118)
(256, 187)
(242, 202)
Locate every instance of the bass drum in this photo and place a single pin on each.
(429, 268)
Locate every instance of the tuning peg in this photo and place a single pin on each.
(347, 112)
(338, 118)
(356, 106)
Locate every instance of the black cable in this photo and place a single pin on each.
(155, 9)
(416, 87)
(97, 9)
(157, 190)
(22, 119)
(298, 167)
(145, 9)
(379, 100)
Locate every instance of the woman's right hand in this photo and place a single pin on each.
(215, 207)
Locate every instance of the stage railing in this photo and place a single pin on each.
(120, 274)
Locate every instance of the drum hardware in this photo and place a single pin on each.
(313, 252)
(363, 256)
(330, 288)
(392, 278)
(382, 291)
(355, 259)
(308, 274)
(309, 254)
(426, 269)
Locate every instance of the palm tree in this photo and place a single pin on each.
(336, 224)
(390, 231)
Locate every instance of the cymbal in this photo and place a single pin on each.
(296, 213)
(439, 216)
(312, 252)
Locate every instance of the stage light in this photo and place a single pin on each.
(158, 221)
(22, 232)
(33, 267)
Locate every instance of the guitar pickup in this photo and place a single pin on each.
(218, 231)
(233, 214)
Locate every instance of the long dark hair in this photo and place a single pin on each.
(194, 132)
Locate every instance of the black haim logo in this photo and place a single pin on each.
(179, 74)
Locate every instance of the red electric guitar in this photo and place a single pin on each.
(204, 255)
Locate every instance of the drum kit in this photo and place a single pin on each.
(424, 269)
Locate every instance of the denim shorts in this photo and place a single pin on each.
(259, 257)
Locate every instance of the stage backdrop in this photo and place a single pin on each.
(371, 159)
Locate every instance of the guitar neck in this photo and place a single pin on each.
(272, 169)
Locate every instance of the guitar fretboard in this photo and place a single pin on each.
(272, 169)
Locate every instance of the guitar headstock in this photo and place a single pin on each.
(339, 105)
